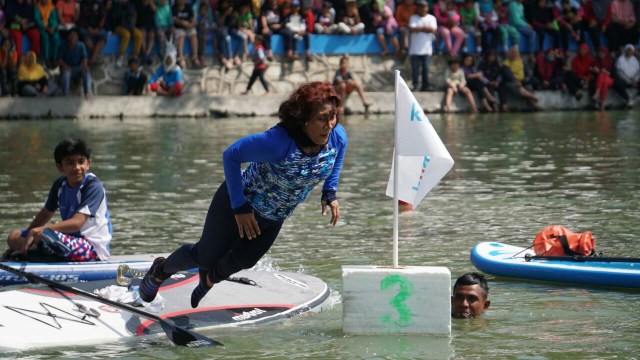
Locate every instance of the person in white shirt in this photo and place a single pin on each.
(423, 27)
(628, 67)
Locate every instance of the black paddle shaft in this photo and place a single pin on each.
(177, 335)
(581, 258)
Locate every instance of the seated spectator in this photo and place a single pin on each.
(581, 67)
(622, 25)
(270, 24)
(543, 22)
(478, 83)
(74, 64)
(145, 21)
(244, 27)
(228, 21)
(449, 25)
(184, 24)
(517, 19)
(123, 22)
(345, 83)
(32, 79)
(470, 23)
(21, 19)
(386, 29)
(548, 70)
(325, 23)
(206, 25)
(163, 19)
(8, 68)
(628, 67)
(47, 23)
(507, 31)
(4, 32)
(295, 27)
(68, 14)
(259, 60)
(603, 80)
(514, 77)
(404, 11)
(135, 80)
(91, 28)
(491, 70)
(488, 21)
(350, 22)
(167, 80)
(595, 19)
(456, 84)
(569, 23)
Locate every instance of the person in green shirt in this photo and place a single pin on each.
(470, 23)
(517, 19)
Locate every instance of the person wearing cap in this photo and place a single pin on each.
(423, 27)
(351, 22)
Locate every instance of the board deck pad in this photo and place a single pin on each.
(40, 317)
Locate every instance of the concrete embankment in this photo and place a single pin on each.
(194, 105)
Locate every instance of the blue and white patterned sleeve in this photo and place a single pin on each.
(51, 203)
(331, 183)
(93, 195)
(272, 145)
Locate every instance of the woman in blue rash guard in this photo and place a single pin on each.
(286, 162)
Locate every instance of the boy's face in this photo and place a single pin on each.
(133, 67)
(344, 65)
(74, 167)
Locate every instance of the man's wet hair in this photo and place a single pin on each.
(71, 147)
(473, 278)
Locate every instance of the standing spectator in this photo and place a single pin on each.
(488, 20)
(470, 21)
(8, 68)
(387, 28)
(517, 19)
(514, 76)
(476, 81)
(164, 25)
(270, 24)
(404, 11)
(135, 80)
(91, 27)
(622, 29)
(68, 14)
(350, 22)
(260, 65)
(448, 26)
(167, 80)
(21, 19)
(491, 69)
(47, 22)
(145, 10)
(74, 63)
(569, 23)
(295, 27)
(184, 23)
(345, 83)
(123, 22)
(423, 28)
(603, 80)
(456, 84)
(32, 79)
(326, 21)
(543, 22)
(628, 67)
(596, 19)
(504, 26)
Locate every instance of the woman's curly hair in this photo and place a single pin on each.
(304, 102)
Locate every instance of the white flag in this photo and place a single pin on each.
(423, 158)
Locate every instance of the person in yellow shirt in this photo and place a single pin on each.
(514, 77)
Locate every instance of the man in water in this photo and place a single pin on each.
(469, 298)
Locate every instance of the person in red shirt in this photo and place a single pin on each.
(404, 11)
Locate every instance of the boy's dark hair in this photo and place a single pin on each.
(473, 278)
(71, 147)
(133, 60)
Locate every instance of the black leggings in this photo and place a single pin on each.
(257, 73)
(221, 252)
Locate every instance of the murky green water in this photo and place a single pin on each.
(514, 174)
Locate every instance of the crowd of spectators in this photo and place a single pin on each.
(71, 34)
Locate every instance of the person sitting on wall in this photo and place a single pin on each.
(469, 298)
(167, 80)
(345, 83)
(135, 79)
(74, 63)
(32, 79)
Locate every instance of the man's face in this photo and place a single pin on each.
(468, 301)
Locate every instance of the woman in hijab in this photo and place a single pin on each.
(47, 21)
(32, 79)
(628, 67)
(580, 74)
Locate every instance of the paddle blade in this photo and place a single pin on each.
(184, 337)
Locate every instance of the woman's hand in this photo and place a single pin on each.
(335, 210)
(247, 225)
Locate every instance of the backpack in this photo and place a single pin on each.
(556, 240)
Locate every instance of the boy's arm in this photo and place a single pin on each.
(41, 219)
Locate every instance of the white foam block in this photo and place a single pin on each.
(386, 300)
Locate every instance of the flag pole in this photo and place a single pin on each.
(396, 171)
